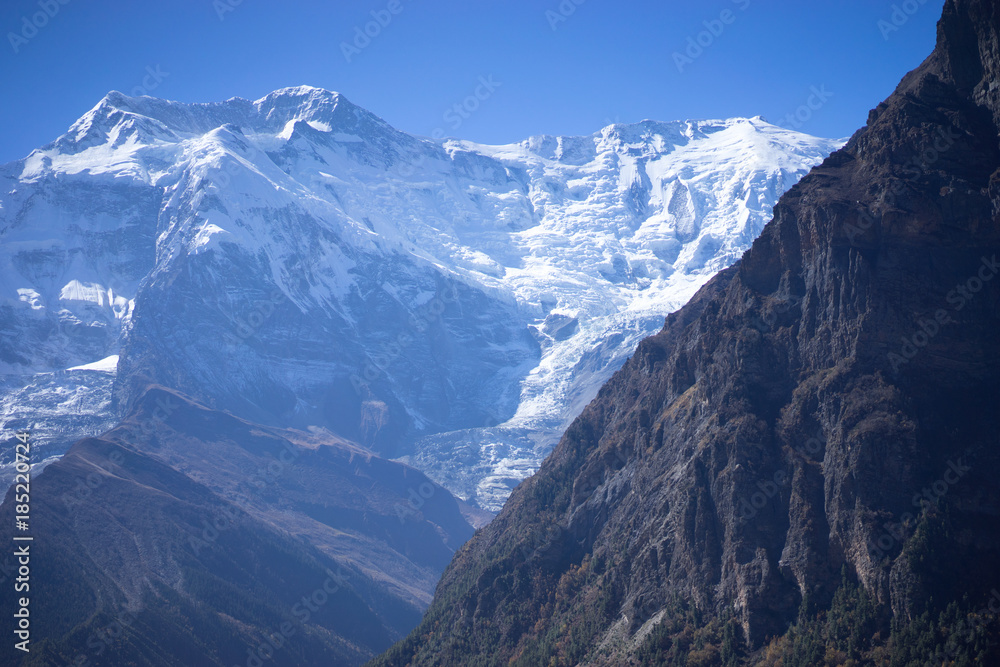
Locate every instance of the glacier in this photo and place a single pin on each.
(299, 262)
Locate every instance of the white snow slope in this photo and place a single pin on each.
(298, 261)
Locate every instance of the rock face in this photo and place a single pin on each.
(825, 406)
(297, 261)
(189, 536)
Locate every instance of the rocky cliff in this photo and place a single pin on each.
(810, 446)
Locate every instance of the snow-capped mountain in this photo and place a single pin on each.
(299, 262)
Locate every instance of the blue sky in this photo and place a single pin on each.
(554, 67)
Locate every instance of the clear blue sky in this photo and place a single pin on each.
(606, 62)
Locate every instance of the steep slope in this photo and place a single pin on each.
(297, 261)
(379, 517)
(119, 579)
(204, 532)
(822, 413)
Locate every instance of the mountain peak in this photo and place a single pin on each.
(310, 92)
(317, 106)
(151, 120)
(304, 100)
(340, 202)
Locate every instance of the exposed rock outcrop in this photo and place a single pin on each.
(821, 407)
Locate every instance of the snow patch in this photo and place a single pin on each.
(105, 365)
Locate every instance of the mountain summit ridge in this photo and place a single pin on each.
(339, 236)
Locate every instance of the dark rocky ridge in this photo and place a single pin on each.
(190, 535)
(784, 424)
(121, 578)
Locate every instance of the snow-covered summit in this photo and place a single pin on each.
(297, 260)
